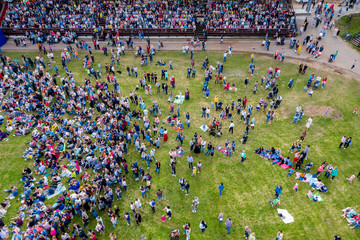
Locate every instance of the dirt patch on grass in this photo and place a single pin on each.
(323, 66)
(313, 111)
(236, 73)
(285, 113)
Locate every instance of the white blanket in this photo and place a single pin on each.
(57, 192)
(286, 217)
(204, 128)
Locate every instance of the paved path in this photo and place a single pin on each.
(331, 43)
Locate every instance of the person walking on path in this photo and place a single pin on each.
(221, 188)
(342, 141)
(228, 224)
(353, 65)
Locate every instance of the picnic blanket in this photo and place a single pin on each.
(47, 174)
(221, 149)
(57, 192)
(179, 99)
(286, 216)
(178, 129)
(268, 156)
(309, 178)
(204, 128)
(319, 197)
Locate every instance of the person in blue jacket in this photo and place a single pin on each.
(221, 188)
(278, 191)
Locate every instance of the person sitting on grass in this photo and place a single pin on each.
(161, 63)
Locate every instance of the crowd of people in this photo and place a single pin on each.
(76, 129)
(96, 15)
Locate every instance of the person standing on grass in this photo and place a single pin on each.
(295, 187)
(252, 236)
(334, 173)
(202, 226)
(182, 183)
(152, 204)
(309, 122)
(127, 218)
(279, 235)
(187, 231)
(190, 161)
(231, 127)
(304, 69)
(138, 219)
(244, 139)
(157, 169)
(168, 212)
(178, 110)
(228, 224)
(343, 139)
(328, 170)
(347, 142)
(112, 236)
(187, 187)
(221, 188)
(247, 231)
(278, 191)
(199, 167)
(306, 151)
(220, 218)
(159, 194)
(243, 156)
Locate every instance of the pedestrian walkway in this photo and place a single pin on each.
(330, 43)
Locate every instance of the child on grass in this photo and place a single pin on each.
(193, 172)
(296, 187)
(350, 179)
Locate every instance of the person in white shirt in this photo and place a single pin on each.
(138, 204)
(309, 122)
(231, 127)
(279, 235)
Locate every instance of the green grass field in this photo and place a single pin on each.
(349, 25)
(248, 186)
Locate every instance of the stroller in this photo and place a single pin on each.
(219, 106)
(308, 166)
(275, 202)
(175, 234)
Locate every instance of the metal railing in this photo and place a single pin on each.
(166, 32)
